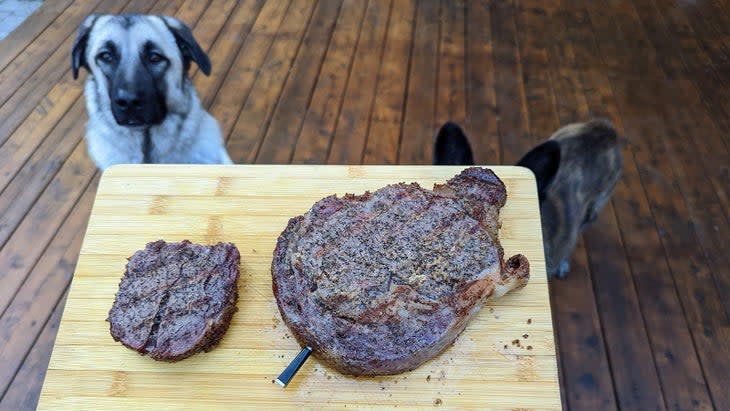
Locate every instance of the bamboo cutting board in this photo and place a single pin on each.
(505, 359)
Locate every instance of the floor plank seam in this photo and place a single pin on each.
(347, 80)
(256, 77)
(314, 83)
(369, 121)
(267, 122)
(229, 66)
(407, 86)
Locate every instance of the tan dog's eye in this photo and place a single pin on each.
(105, 56)
(155, 58)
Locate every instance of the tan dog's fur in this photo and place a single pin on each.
(186, 133)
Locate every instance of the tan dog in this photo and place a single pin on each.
(141, 103)
(576, 171)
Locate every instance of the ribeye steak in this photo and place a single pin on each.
(379, 283)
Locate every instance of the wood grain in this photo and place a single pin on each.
(249, 205)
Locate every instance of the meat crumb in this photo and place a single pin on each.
(525, 335)
(529, 320)
(428, 378)
(529, 347)
(437, 402)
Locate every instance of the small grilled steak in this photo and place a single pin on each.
(379, 283)
(176, 299)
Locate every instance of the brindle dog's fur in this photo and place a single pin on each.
(576, 171)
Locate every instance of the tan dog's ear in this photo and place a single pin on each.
(544, 161)
(189, 47)
(78, 51)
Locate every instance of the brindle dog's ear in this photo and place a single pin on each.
(189, 47)
(544, 161)
(78, 52)
(451, 146)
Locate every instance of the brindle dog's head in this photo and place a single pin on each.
(141, 62)
(576, 171)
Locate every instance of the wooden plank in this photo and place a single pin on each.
(714, 36)
(585, 366)
(665, 319)
(481, 101)
(704, 201)
(697, 84)
(531, 22)
(189, 12)
(286, 121)
(25, 390)
(34, 130)
(29, 29)
(689, 33)
(87, 363)
(253, 120)
(41, 223)
(645, 124)
(315, 138)
(349, 140)
(223, 52)
(586, 372)
(678, 219)
(511, 102)
(451, 93)
(25, 187)
(238, 83)
(418, 118)
(36, 54)
(387, 115)
(23, 320)
(209, 25)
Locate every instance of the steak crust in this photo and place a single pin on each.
(176, 299)
(379, 283)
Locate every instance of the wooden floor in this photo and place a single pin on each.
(642, 321)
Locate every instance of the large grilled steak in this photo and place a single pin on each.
(176, 299)
(379, 283)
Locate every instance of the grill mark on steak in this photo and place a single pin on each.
(151, 342)
(381, 282)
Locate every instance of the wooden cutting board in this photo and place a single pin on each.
(505, 359)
